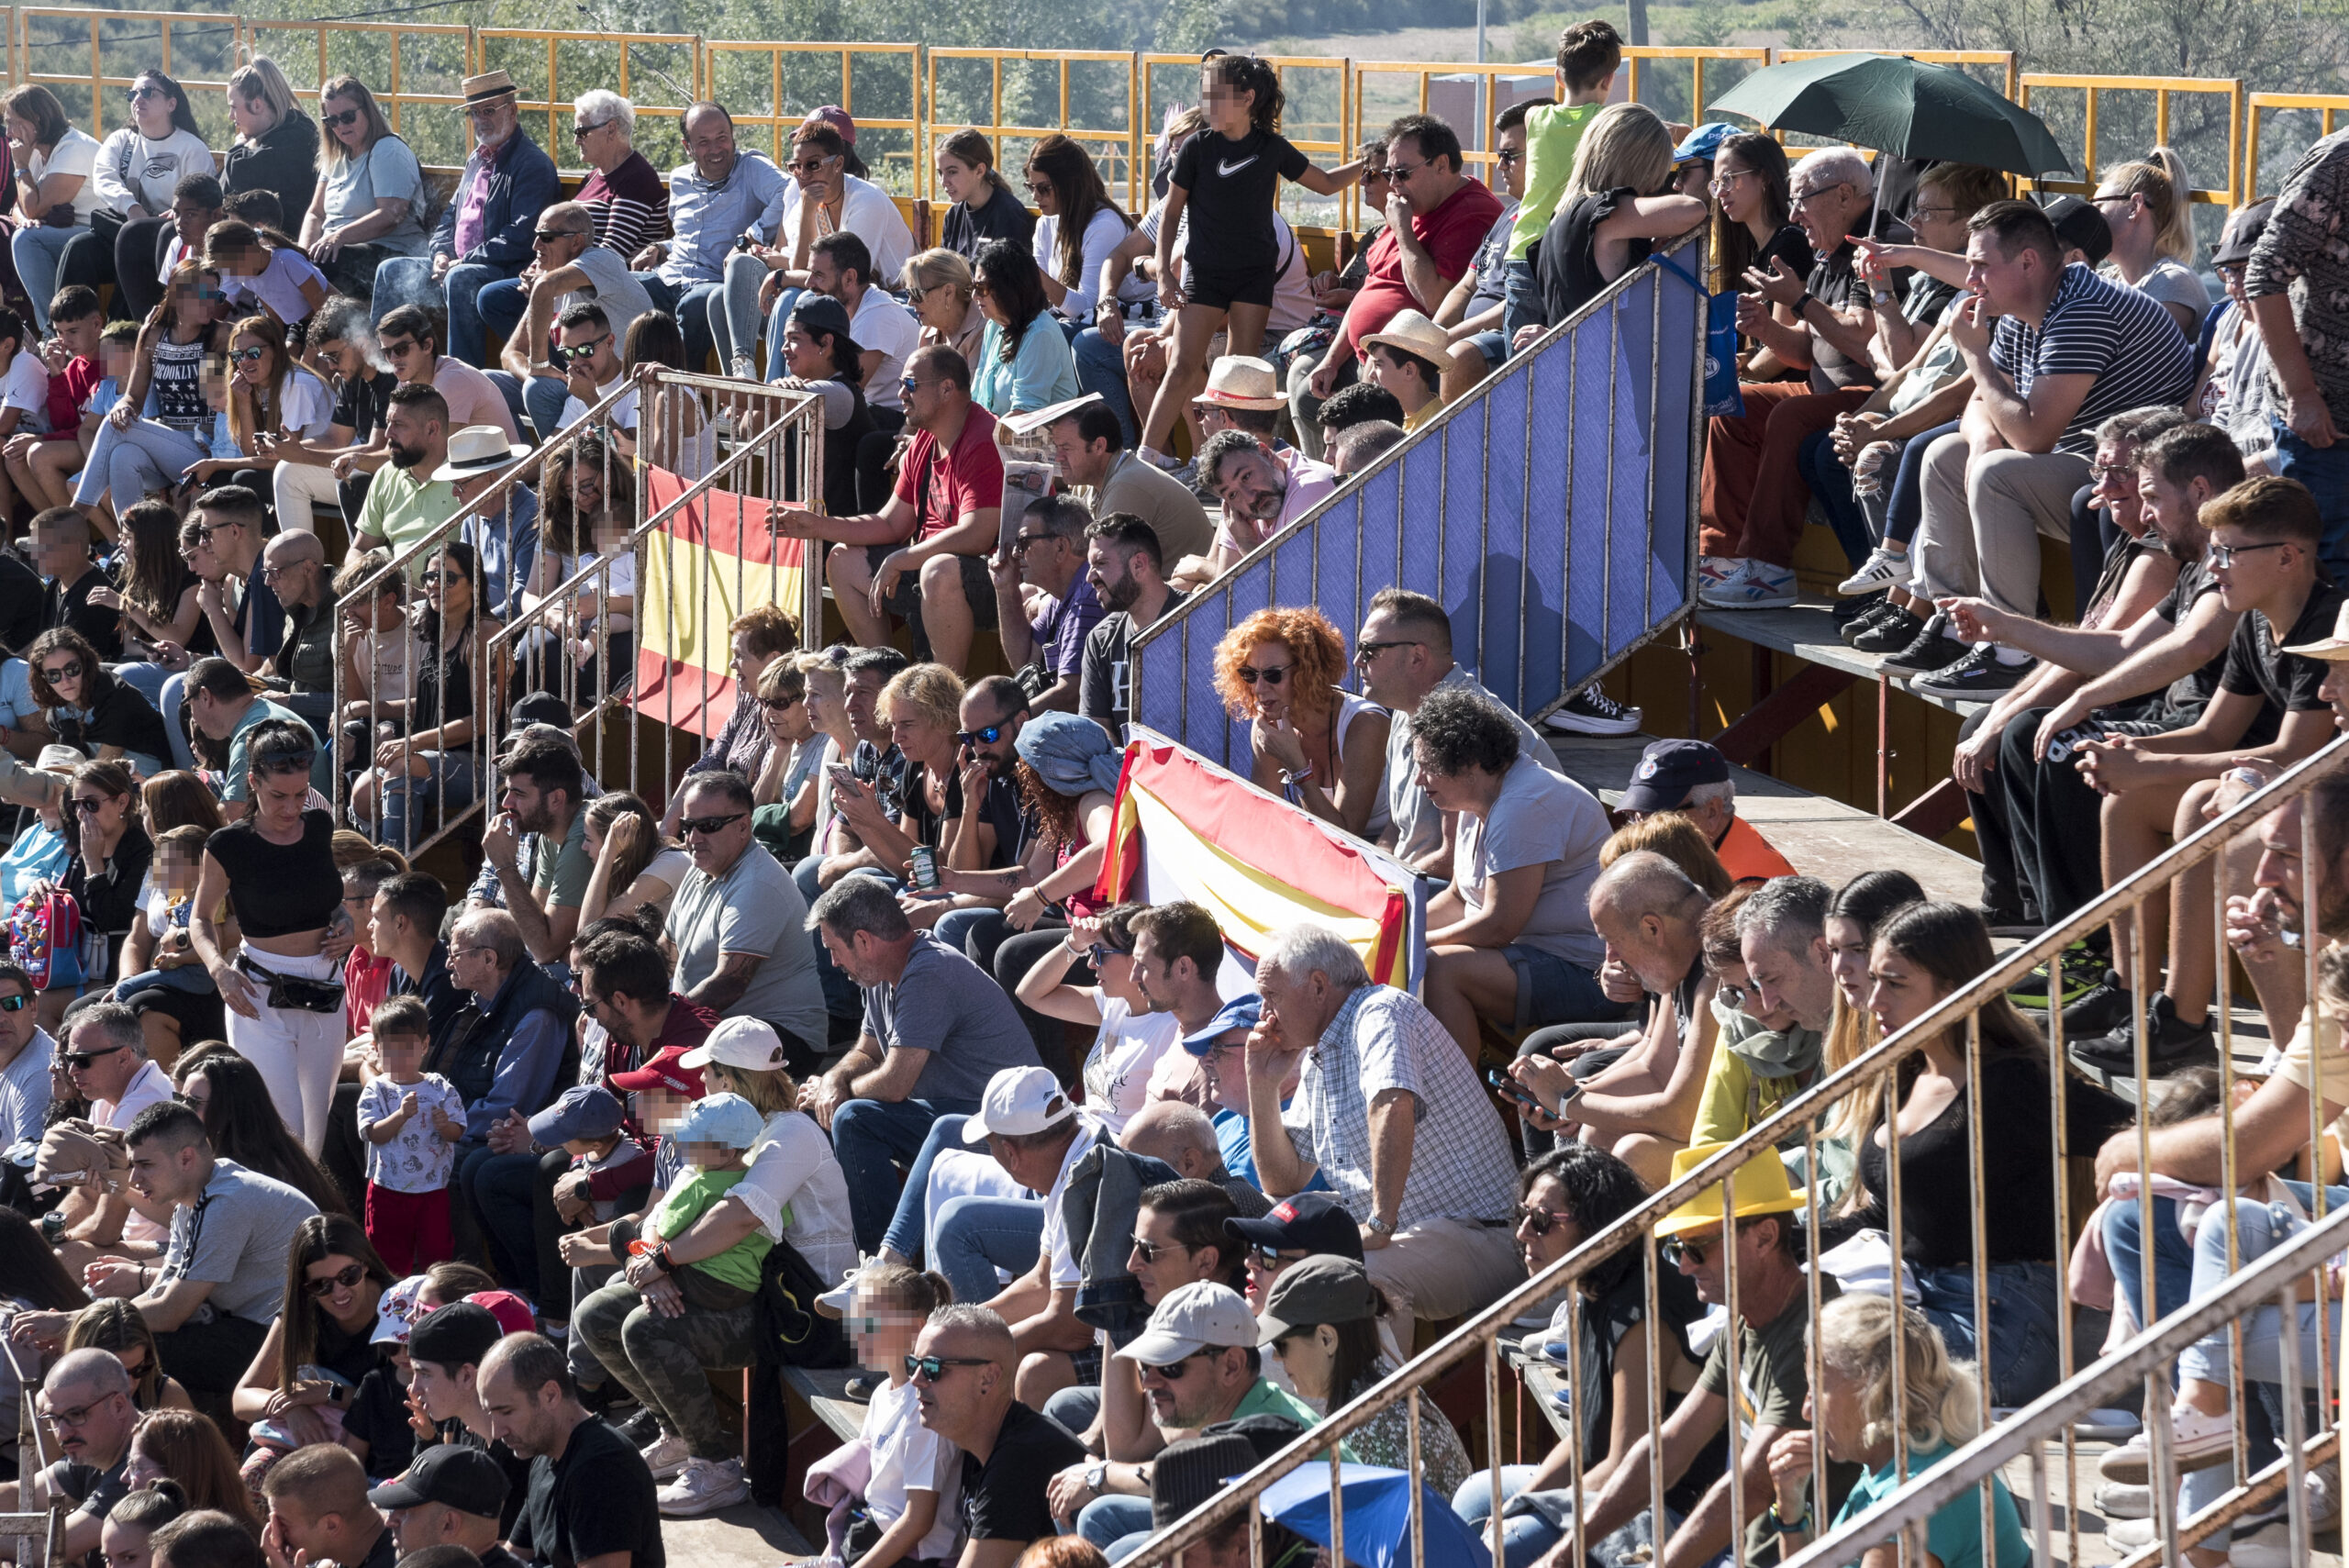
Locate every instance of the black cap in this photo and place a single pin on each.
(822, 313)
(539, 708)
(1311, 1222)
(2081, 228)
(2242, 231)
(456, 1335)
(453, 1475)
(1669, 770)
(1188, 1474)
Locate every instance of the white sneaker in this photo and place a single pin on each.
(835, 1302)
(1718, 568)
(666, 1455)
(2197, 1441)
(1882, 570)
(2130, 1535)
(1757, 587)
(705, 1486)
(742, 369)
(2115, 1501)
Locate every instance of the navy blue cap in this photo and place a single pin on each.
(1703, 144)
(585, 1111)
(1669, 770)
(1240, 1013)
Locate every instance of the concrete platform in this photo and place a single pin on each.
(746, 1536)
(1823, 838)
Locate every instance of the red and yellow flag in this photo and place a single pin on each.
(711, 560)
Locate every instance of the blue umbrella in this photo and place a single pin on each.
(1377, 1515)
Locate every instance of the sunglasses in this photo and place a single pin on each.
(350, 1276)
(1508, 157)
(1100, 953)
(1271, 677)
(1176, 1370)
(1694, 1253)
(579, 132)
(405, 345)
(1540, 1221)
(443, 577)
(1148, 1250)
(84, 1058)
(548, 236)
(1271, 1258)
(346, 117)
(931, 1368)
(140, 94)
(87, 803)
(709, 825)
(908, 386)
(1020, 543)
(15, 1004)
(63, 672)
(246, 356)
(576, 352)
(807, 165)
(778, 704)
(987, 737)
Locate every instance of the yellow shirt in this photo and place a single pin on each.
(1425, 412)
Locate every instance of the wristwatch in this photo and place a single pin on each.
(1096, 1478)
(1380, 1226)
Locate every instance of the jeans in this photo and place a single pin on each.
(909, 1232)
(1106, 1522)
(1520, 300)
(2093, 532)
(1075, 1408)
(170, 704)
(449, 780)
(841, 997)
(871, 1138)
(778, 318)
(2173, 1259)
(661, 1359)
(133, 462)
(408, 280)
(690, 306)
(498, 1186)
(468, 334)
(1831, 483)
(972, 1237)
(502, 304)
(1895, 516)
(2324, 469)
(1101, 367)
(1524, 1537)
(539, 400)
(735, 318)
(2025, 1355)
(38, 250)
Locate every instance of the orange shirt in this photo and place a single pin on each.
(1744, 852)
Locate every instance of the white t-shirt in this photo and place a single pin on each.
(791, 1166)
(623, 413)
(867, 212)
(882, 323)
(909, 1456)
(133, 170)
(415, 1158)
(306, 407)
(26, 389)
(388, 657)
(76, 152)
(1124, 1055)
(278, 284)
(148, 1086)
(1104, 234)
(1055, 1244)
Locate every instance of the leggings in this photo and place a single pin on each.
(132, 463)
(138, 258)
(298, 1053)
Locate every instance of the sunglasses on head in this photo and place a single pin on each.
(709, 825)
(1271, 677)
(345, 118)
(72, 672)
(347, 1279)
(931, 1368)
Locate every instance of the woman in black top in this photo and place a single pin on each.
(157, 599)
(334, 1280)
(275, 868)
(232, 1098)
(1753, 210)
(1606, 223)
(984, 207)
(89, 707)
(277, 144)
(108, 864)
(455, 678)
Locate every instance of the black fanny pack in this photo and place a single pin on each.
(293, 993)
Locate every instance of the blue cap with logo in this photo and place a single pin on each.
(1669, 770)
(1240, 1013)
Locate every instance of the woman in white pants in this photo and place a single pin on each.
(275, 869)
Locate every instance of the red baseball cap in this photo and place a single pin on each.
(665, 1071)
(513, 1314)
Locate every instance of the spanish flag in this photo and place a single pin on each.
(713, 558)
(1187, 830)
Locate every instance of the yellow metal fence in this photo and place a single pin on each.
(905, 96)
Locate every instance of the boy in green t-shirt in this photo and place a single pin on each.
(1590, 53)
(715, 1135)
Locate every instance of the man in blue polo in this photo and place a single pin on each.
(721, 196)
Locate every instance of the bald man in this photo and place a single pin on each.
(87, 1397)
(964, 1365)
(1184, 1137)
(1641, 1106)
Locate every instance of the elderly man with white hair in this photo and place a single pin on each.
(1754, 500)
(1388, 1109)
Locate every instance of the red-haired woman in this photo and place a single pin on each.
(1318, 744)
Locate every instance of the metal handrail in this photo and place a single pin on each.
(2163, 88)
(2331, 107)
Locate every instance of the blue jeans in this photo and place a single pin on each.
(1108, 1523)
(841, 997)
(735, 318)
(539, 400)
(2173, 1259)
(690, 306)
(39, 250)
(1896, 515)
(971, 1237)
(448, 779)
(2025, 1357)
(1101, 367)
(173, 698)
(408, 280)
(502, 305)
(2324, 469)
(468, 334)
(871, 1138)
(1831, 482)
(1520, 301)
(909, 1232)
(498, 1186)
(1524, 1537)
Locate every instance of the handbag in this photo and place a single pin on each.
(49, 939)
(291, 993)
(1722, 399)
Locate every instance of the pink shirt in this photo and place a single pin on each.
(469, 224)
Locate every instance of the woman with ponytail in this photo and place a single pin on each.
(2152, 240)
(985, 206)
(1856, 1414)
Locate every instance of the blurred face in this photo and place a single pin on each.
(1269, 673)
(252, 116)
(1847, 959)
(1546, 1228)
(1252, 484)
(884, 1332)
(1226, 108)
(402, 1055)
(709, 142)
(345, 121)
(1899, 992)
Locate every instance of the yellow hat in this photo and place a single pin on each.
(1761, 1184)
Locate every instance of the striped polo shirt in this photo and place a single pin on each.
(2093, 327)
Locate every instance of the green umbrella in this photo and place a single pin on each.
(1906, 107)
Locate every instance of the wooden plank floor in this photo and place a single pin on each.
(1807, 631)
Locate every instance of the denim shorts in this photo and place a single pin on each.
(1553, 990)
(1493, 345)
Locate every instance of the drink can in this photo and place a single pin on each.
(925, 868)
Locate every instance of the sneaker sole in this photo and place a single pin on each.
(1893, 665)
(2135, 1469)
(694, 1508)
(1576, 724)
(1773, 603)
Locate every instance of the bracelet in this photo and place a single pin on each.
(1302, 775)
(1785, 1526)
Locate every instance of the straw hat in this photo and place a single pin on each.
(1409, 332)
(2334, 647)
(1238, 380)
(1761, 1186)
(477, 449)
(489, 86)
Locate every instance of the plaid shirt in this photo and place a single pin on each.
(1384, 1038)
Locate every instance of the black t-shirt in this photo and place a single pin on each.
(1937, 1178)
(1003, 218)
(23, 605)
(2257, 664)
(93, 1490)
(120, 716)
(2190, 693)
(1789, 245)
(384, 1554)
(378, 1417)
(1233, 186)
(362, 405)
(69, 604)
(597, 1498)
(1835, 281)
(1105, 687)
(279, 889)
(1003, 1499)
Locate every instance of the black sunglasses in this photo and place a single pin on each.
(84, 1058)
(932, 1368)
(987, 737)
(1271, 677)
(15, 1004)
(1540, 1221)
(1694, 1253)
(350, 1275)
(1176, 1370)
(343, 118)
(573, 353)
(63, 672)
(689, 825)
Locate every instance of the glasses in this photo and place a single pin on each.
(2223, 555)
(346, 117)
(929, 1369)
(1938, 214)
(140, 94)
(573, 353)
(1694, 1253)
(2114, 471)
(246, 356)
(88, 803)
(347, 1279)
(1271, 1258)
(15, 1004)
(1176, 1371)
(403, 347)
(72, 672)
(709, 826)
(981, 286)
(1148, 1250)
(442, 577)
(1805, 198)
(1732, 996)
(1509, 157)
(548, 236)
(1037, 187)
(579, 132)
(778, 704)
(1272, 676)
(1366, 651)
(807, 165)
(987, 737)
(1722, 181)
(1021, 542)
(78, 1415)
(908, 386)
(1397, 171)
(84, 1058)
(1100, 953)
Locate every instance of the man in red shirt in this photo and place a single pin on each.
(922, 556)
(1436, 218)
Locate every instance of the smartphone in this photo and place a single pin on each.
(1511, 1087)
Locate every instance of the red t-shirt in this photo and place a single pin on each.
(1451, 234)
(67, 392)
(969, 479)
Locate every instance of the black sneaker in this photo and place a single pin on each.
(641, 1427)
(1873, 612)
(1981, 677)
(1592, 712)
(1931, 649)
(2172, 1043)
(1895, 630)
(2106, 1007)
(2082, 970)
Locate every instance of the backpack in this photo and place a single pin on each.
(48, 936)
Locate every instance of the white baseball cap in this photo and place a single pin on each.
(1190, 1319)
(748, 1043)
(1018, 1101)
